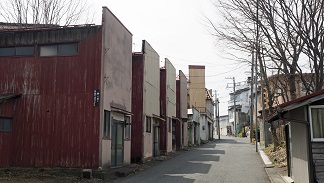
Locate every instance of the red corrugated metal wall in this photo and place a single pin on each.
(137, 108)
(54, 121)
(163, 124)
(178, 99)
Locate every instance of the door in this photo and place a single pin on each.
(195, 134)
(173, 135)
(288, 149)
(117, 143)
(156, 137)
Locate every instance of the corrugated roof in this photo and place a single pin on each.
(284, 107)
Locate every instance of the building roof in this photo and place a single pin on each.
(35, 28)
(196, 67)
(293, 104)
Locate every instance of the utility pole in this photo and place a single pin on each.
(218, 119)
(256, 104)
(234, 99)
(256, 76)
(251, 96)
(217, 114)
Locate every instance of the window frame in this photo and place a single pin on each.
(58, 54)
(148, 124)
(127, 127)
(106, 126)
(2, 120)
(15, 51)
(170, 125)
(311, 122)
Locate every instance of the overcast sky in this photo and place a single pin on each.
(177, 31)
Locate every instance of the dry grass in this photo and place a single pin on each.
(278, 157)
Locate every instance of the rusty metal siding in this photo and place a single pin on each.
(137, 108)
(163, 124)
(178, 103)
(55, 123)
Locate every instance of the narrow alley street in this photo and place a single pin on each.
(227, 160)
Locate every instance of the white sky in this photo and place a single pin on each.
(177, 30)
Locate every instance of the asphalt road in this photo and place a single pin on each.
(227, 160)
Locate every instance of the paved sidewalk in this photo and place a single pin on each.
(272, 171)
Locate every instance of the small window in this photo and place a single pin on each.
(127, 128)
(170, 124)
(59, 50)
(7, 51)
(5, 125)
(106, 132)
(317, 122)
(48, 50)
(148, 124)
(25, 51)
(17, 51)
(68, 49)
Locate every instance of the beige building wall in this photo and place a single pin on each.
(151, 93)
(197, 87)
(116, 78)
(171, 97)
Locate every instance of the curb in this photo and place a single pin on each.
(270, 169)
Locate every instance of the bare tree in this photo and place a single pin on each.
(58, 12)
(290, 31)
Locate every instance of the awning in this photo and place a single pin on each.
(175, 118)
(115, 109)
(158, 117)
(4, 97)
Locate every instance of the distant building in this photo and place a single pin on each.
(193, 126)
(170, 128)
(201, 99)
(181, 91)
(242, 106)
(225, 127)
(146, 121)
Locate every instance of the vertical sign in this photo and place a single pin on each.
(96, 97)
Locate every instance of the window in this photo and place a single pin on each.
(170, 124)
(7, 51)
(25, 51)
(317, 122)
(59, 50)
(5, 125)
(17, 51)
(106, 132)
(307, 85)
(148, 124)
(127, 128)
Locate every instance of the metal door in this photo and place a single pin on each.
(156, 137)
(117, 143)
